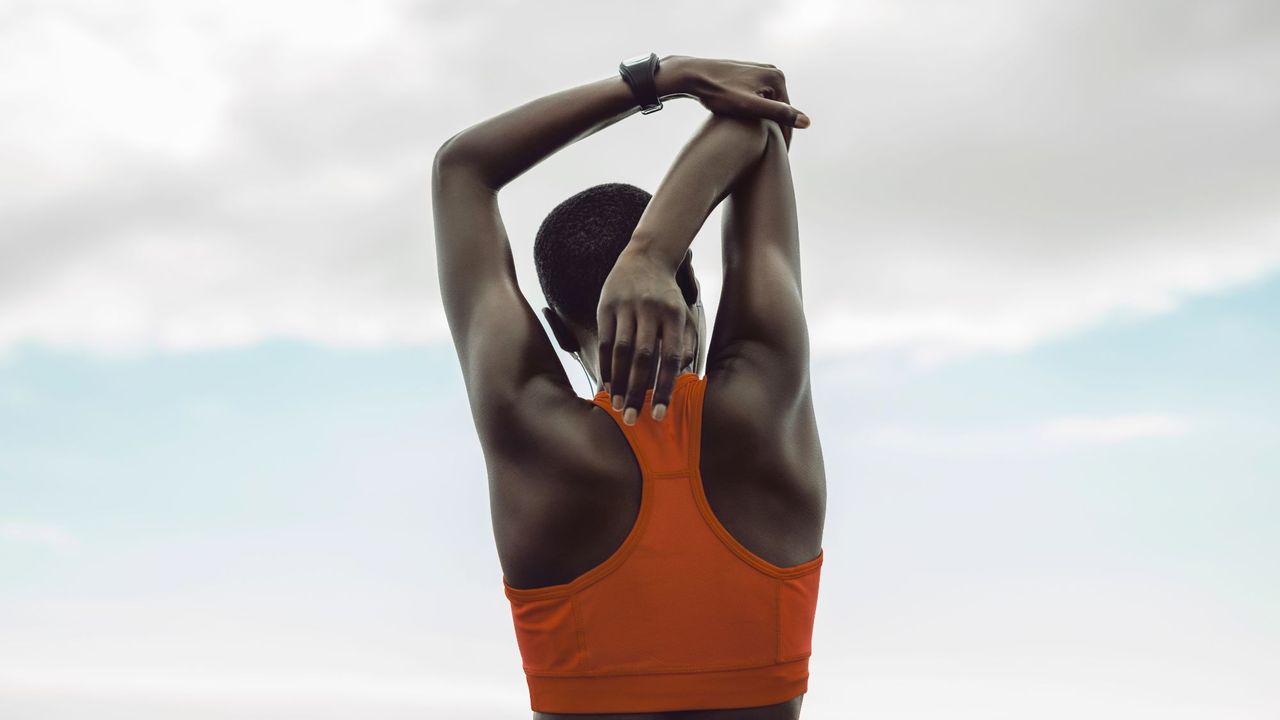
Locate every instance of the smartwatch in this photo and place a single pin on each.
(639, 73)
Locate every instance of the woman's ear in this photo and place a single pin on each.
(688, 282)
(567, 340)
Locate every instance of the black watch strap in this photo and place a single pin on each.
(640, 72)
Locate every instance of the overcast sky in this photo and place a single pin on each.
(184, 175)
(1040, 254)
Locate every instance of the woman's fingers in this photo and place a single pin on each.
(779, 93)
(672, 341)
(749, 89)
(641, 365)
(783, 113)
(631, 344)
(624, 341)
(606, 325)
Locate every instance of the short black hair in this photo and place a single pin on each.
(578, 243)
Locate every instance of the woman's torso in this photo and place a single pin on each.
(762, 473)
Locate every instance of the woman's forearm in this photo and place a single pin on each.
(503, 147)
(701, 176)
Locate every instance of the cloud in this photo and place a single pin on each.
(1061, 434)
(978, 178)
(49, 536)
(1008, 173)
(1103, 430)
(201, 178)
(166, 682)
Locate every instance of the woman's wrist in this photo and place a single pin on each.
(677, 76)
(648, 249)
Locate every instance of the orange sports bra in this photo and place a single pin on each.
(681, 616)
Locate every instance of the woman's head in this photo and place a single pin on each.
(578, 244)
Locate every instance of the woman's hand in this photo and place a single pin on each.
(732, 87)
(642, 308)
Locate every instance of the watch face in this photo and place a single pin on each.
(636, 60)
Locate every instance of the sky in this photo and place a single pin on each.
(1041, 267)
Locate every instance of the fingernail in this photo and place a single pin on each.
(629, 417)
(802, 121)
(659, 411)
(617, 402)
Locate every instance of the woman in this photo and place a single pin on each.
(660, 543)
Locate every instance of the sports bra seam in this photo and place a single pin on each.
(580, 629)
(600, 571)
(777, 620)
(631, 444)
(694, 411)
(609, 565)
(742, 552)
(687, 670)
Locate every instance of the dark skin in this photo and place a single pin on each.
(564, 485)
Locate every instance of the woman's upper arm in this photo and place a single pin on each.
(760, 318)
